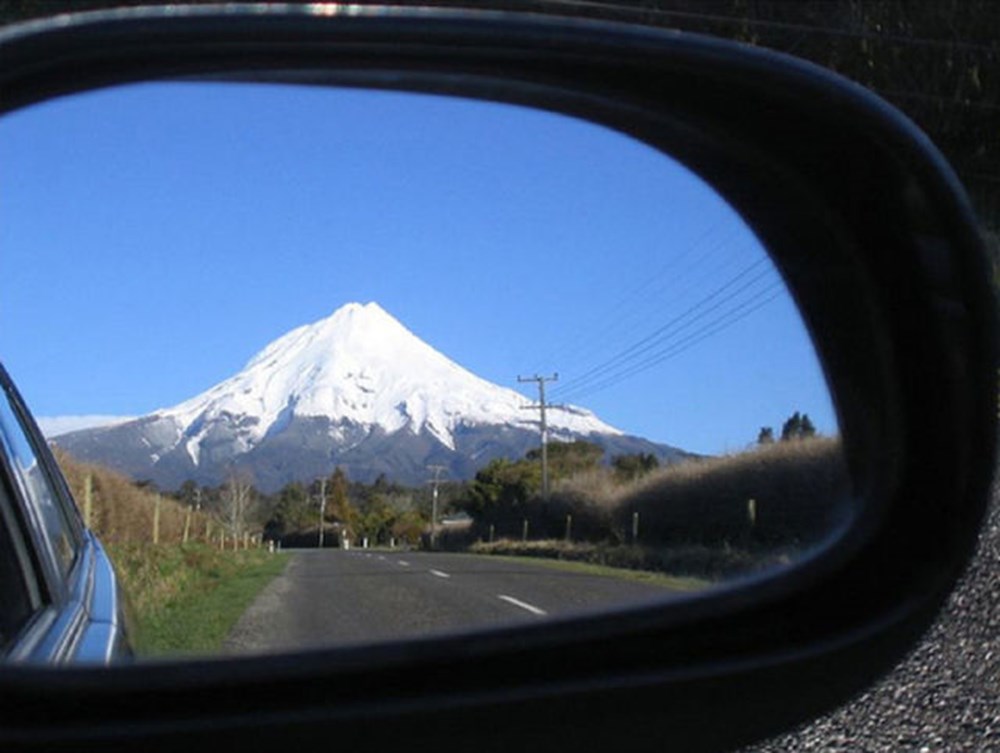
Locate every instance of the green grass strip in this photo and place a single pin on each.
(185, 599)
(663, 580)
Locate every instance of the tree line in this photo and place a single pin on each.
(379, 511)
(797, 426)
(384, 512)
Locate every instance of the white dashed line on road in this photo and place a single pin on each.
(404, 563)
(440, 574)
(523, 605)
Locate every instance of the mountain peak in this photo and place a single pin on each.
(363, 314)
(352, 327)
(361, 366)
(356, 389)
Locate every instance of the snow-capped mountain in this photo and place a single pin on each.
(356, 389)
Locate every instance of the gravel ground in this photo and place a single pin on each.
(945, 696)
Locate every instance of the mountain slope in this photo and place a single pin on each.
(356, 389)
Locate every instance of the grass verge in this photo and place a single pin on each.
(185, 598)
(672, 582)
(624, 562)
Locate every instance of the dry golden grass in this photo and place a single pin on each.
(792, 493)
(183, 597)
(122, 513)
(713, 517)
(697, 563)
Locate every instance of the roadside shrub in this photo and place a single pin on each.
(782, 494)
(710, 518)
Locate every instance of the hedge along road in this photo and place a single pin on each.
(335, 597)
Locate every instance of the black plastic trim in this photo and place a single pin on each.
(892, 282)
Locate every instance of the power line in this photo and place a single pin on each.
(627, 307)
(658, 335)
(661, 334)
(639, 310)
(718, 324)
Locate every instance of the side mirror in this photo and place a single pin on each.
(874, 238)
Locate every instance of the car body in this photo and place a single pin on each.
(62, 600)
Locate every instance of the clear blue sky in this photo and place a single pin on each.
(153, 238)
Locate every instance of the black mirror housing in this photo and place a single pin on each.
(874, 237)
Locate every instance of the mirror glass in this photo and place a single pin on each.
(330, 366)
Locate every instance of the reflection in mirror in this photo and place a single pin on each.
(333, 366)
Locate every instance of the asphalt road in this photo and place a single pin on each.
(332, 597)
(943, 698)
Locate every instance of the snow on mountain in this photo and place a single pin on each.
(356, 390)
(362, 366)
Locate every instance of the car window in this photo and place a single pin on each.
(31, 476)
(20, 596)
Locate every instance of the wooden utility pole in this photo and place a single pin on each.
(88, 500)
(542, 406)
(156, 519)
(187, 525)
(438, 470)
(322, 508)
